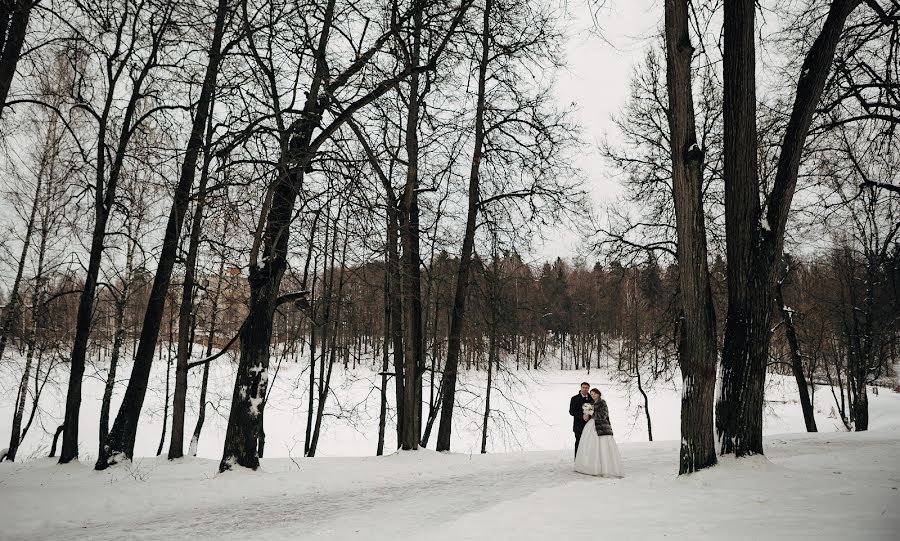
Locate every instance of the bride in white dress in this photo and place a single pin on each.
(597, 452)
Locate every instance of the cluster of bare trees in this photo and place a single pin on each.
(215, 173)
(736, 162)
(352, 181)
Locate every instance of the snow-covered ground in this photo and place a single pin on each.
(831, 485)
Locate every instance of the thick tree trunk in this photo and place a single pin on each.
(121, 439)
(755, 242)
(739, 411)
(252, 375)
(697, 338)
(458, 311)
(14, 15)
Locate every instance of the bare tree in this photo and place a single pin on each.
(697, 331)
(755, 232)
(268, 256)
(133, 55)
(121, 439)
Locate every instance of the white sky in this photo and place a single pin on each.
(596, 79)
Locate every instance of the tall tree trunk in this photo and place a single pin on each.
(265, 281)
(696, 336)
(410, 275)
(335, 322)
(739, 411)
(121, 439)
(396, 319)
(38, 311)
(458, 311)
(14, 15)
(755, 242)
(186, 314)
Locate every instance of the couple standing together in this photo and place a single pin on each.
(596, 452)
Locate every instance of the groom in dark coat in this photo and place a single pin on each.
(579, 419)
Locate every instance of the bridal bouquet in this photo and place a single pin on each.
(587, 409)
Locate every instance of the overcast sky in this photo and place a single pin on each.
(596, 79)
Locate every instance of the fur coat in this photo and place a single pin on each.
(601, 418)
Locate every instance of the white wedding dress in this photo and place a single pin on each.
(598, 455)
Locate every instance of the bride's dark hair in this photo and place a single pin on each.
(596, 390)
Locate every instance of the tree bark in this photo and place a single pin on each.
(755, 242)
(696, 333)
(14, 15)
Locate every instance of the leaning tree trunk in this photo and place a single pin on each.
(121, 439)
(755, 242)
(14, 16)
(790, 331)
(69, 449)
(458, 312)
(697, 329)
(19, 411)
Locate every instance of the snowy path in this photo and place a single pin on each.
(823, 486)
